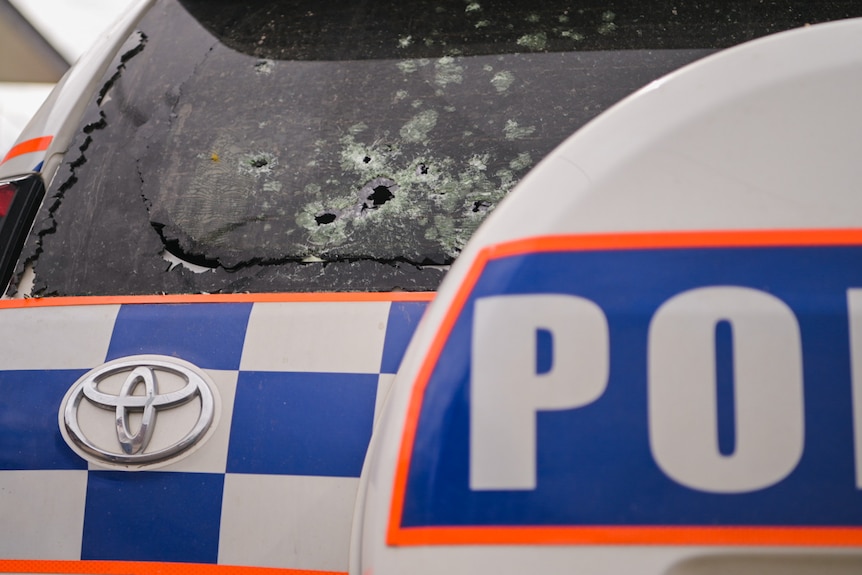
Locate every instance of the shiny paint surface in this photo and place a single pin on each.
(585, 492)
(58, 116)
(281, 465)
(757, 140)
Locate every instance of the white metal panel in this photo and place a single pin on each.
(298, 522)
(56, 338)
(302, 337)
(59, 115)
(43, 512)
(762, 136)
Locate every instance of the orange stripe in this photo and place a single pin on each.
(143, 568)
(396, 535)
(218, 298)
(415, 405)
(29, 146)
(688, 535)
(667, 240)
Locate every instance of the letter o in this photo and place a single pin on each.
(768, 391)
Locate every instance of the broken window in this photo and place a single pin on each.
(301, 146)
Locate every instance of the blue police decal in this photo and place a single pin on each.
(688, 388)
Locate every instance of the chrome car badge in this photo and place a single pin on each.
(138, 390)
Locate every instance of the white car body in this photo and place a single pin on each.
(47, 136)
(754, 147)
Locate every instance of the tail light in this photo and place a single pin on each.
(7, 194)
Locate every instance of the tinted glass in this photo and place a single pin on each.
(19, 200)
(302, 146)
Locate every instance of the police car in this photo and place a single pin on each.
(221, 233)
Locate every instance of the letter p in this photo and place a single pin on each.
(507, 390)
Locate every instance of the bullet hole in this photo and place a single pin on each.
(421, 169)
(259, 163)
(366, 159)
(325, 218)
(380, 195)
(376, 193)
(481, 206)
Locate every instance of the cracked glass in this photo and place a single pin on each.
(298, 146)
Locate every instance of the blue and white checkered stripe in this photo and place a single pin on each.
(274, 486)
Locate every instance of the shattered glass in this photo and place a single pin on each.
(294, 146)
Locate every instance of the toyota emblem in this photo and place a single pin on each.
(109, 415)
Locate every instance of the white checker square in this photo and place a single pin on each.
(61, 337)
(326, 337)
(287, 521)
(43, 514)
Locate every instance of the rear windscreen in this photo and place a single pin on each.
(304, 146)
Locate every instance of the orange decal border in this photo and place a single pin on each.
(28, 147)
(634, 535)
(143, 568)
(603, 535)
(321, 297)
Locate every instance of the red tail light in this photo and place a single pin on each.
(7, 194)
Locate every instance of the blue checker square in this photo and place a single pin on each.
(287, 423)
(152, 516)
(209, 335)
(403, 319)
(29, 426)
